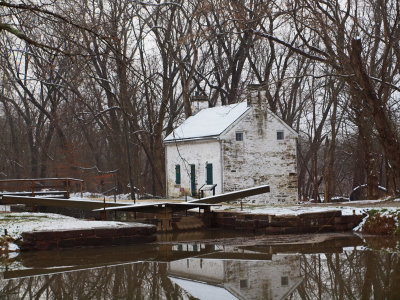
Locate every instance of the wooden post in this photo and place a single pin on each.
(164, 217)
(33, 188)
(103, 213)
(67, 188)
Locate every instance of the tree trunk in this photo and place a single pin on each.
(327, 173)
(384, 126)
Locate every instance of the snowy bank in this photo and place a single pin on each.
(381, 221)
(14, 224)
(294, 210)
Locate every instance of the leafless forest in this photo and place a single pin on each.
(90, 88)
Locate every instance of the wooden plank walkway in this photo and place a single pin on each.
(155, 207)
(123, 206)
(226, 197)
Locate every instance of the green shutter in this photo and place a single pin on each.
(209, 174)
(193, 179)
(178, 174)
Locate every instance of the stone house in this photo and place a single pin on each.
(233, 147)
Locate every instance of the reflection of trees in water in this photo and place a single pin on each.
(347, 275)
(350, 275)
(132, 281)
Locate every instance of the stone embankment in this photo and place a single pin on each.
(52, 239)
(329, 221)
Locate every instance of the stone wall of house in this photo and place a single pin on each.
(198, 153)
(260, 158)
(269, 279)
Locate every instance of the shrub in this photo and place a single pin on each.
(378, 224)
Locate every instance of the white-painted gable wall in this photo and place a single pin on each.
(187, 153)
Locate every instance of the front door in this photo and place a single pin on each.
(193, 179)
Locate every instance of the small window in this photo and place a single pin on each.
(284, 281)
(239, 136)
(280, 136)
(244, 284)
(178, 174)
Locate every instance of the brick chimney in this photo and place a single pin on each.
(256, 96)
(199, 102)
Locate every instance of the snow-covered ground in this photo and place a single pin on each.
(299, 209)
(281, 210)
(353, 208)
(16, 223)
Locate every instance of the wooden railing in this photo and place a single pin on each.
(41, 186)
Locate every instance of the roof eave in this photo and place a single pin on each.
(233, 124)
(210, 137)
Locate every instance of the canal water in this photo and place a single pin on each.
(212, 266)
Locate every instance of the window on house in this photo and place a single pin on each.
(280, 135)
(178, 174)
(244, 283)
(209, 171)
(284, 281)
(239, 136)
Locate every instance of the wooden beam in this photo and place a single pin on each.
(156, 207)
(234, 195)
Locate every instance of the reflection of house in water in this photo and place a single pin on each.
(204, 278)
(196, 247)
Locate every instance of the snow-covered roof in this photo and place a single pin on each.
(200, 290)
(207, 123)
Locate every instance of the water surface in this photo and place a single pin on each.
(212, 268)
